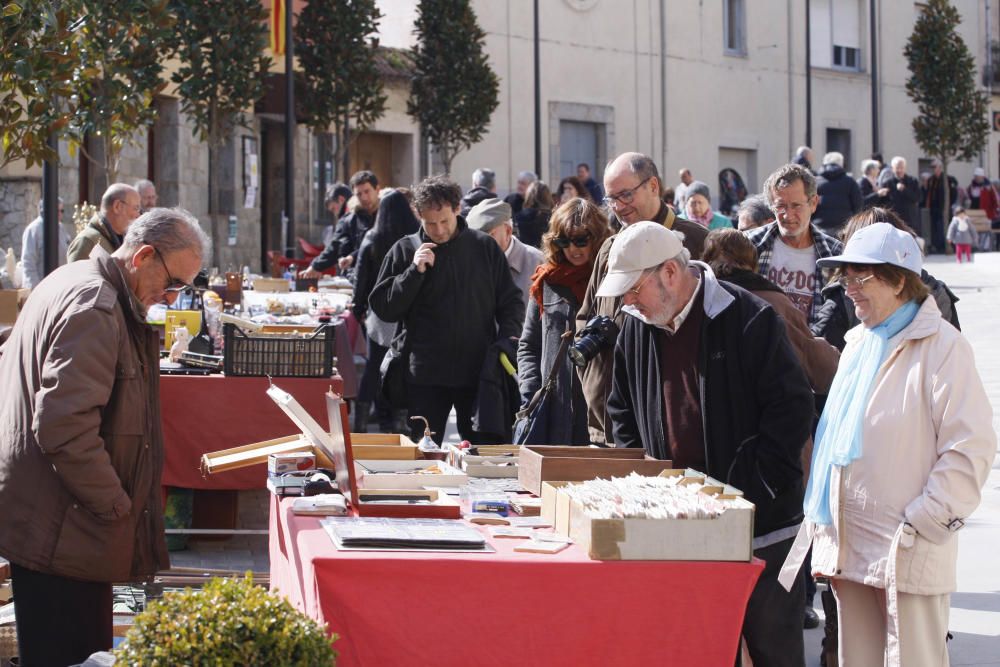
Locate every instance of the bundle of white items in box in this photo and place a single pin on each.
(637, 497)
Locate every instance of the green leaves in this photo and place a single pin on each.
(228, 622)
(454, 91)
(952, 112)
(337, 46)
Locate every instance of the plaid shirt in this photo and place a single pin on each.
(763, 239)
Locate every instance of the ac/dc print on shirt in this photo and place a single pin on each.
(794, 271)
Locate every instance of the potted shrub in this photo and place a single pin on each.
(227, 622)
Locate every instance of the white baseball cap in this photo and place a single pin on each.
(880, 243)
(640, 246)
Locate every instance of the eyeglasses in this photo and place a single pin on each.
(578, 241)
(624, 197)
(794, 207)
(642, 281)
(174, 285)
(847, 282)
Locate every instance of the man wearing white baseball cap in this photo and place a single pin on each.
(704, 375)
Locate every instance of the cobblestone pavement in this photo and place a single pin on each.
(975, 607)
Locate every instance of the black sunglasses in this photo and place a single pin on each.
(578, 241)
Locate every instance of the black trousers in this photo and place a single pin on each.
(369, 389)
(773, 623)
(435, 403)
(60, 621)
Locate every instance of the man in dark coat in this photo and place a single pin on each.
(342, 250)
(484, 186)
(904, 193)
(704, 375)
(450, 287)
(935, 203)
(593, 187)
(81, 448)
(839, 195)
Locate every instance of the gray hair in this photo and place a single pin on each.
(41, 205)
(168, 230)
(755, 206)
(787, 175)
(868, 165)
(528, 176)
(643, 167)
(802, 151)
(142, 184)
(484, 178)
(681, 259)
(833, 157)
(116, 192)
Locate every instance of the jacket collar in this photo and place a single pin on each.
(112, 271)
(104, 227)
(926, 322)
(516, 255)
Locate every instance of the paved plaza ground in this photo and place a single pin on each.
(975, 607)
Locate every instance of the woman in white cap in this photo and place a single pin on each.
(902, 451)
(976, 186)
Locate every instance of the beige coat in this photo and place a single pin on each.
(928, 445)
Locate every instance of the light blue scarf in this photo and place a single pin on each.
(838, 437)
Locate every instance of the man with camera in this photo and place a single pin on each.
(704, 375)
(451, 288)
(632, 182)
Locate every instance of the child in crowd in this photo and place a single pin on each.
(961, 234)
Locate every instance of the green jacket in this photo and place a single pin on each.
(97, 232)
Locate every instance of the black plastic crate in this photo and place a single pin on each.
(279, 354)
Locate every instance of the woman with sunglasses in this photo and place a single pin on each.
(903, 448)
(576, 231)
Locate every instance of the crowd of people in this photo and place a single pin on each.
(777, 352)
(799, 352)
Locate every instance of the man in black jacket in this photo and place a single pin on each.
(450, 287)
(343, 248)
(704, 375)
(904, 193)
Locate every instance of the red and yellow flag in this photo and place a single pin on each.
(278, 27)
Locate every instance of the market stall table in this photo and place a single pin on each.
(508, 608)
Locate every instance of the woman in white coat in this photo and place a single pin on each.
(903, 448)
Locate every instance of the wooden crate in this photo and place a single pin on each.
(537, 464)
(490, 462)
(376, 446)
(248, 455)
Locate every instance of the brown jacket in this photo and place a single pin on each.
(81, 449)
(596, 376)
(96, 233)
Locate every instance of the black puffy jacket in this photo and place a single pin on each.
(839, 199)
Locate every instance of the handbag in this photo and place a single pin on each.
(531, 425)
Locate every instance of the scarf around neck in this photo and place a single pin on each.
(704, 220)
(564, 275)
(838, 436)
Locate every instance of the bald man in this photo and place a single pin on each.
(120, 205)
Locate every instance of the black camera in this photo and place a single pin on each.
(600, 332)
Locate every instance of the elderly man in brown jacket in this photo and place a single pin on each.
(632, 182)
(81, 448)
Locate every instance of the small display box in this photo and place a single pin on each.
(384, 474)
(727, 537)
(485, 460)
(377, 446)
(537, 464)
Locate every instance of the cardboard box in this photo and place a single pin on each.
(292, 462)
(493, 461)
(537, 464)
(270, 285)
(379, 446)
(11, 302)
(384, 474)
(728, 537)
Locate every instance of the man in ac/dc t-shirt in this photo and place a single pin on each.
(787, 249)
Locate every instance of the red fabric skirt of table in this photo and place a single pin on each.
(509, 608)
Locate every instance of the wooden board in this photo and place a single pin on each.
(252, 454)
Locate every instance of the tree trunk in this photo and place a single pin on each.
(213, 196)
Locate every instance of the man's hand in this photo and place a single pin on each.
(883, 192)
(424, 256)
(310, 272)
(901, 186)
(345, 262)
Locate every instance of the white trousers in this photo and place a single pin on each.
(862, 612)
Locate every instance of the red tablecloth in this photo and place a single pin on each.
(206, 413)
(509, 608)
